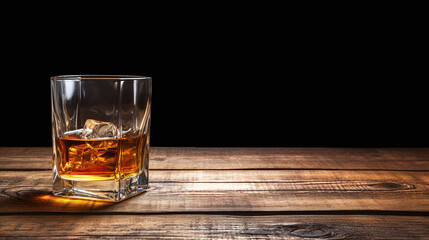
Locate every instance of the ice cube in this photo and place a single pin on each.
(74, 133)
(82, 156)
(98, 129)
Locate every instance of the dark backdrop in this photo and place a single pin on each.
(231, 76)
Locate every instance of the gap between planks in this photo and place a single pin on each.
(236, 213)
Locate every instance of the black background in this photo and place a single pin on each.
(244, 76)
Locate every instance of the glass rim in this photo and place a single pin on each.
(98, 77)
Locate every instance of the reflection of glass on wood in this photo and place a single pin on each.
(100, 159)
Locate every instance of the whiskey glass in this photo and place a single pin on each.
(100, 135)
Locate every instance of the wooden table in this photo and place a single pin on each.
(276, 193)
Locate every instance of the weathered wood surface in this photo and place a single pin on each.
(215, 226)
(248, 158)
(233, 190)
(273, 193)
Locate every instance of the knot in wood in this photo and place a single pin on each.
(311, 231)
(392, 186)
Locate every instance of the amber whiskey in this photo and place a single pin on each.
(100, 159)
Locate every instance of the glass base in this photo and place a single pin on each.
(109, 190)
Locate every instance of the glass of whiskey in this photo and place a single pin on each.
(100, 132)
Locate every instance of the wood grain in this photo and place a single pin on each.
(248, 158)
(232, 190)
(198, 226)
(363, 178)
(225, 193)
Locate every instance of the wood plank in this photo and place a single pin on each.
(25, 158)
(248, 158)
(215, 226)
(292, 158)
(232, 190)
(406, 179)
